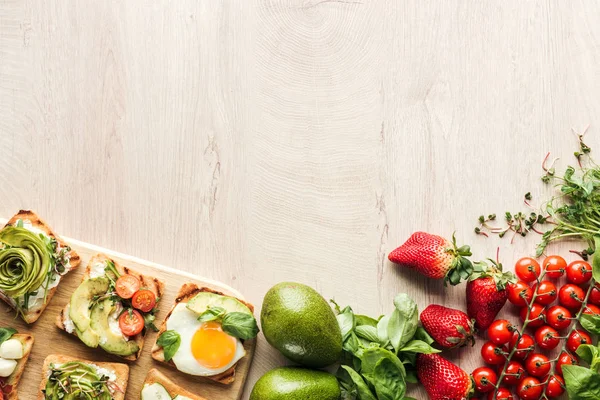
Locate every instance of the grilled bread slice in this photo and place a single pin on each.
(10, 384)
(186, 293)
(121, 371)
(34, 312)
(155, 285)
(155, 376)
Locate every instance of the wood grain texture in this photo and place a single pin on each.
(265, 140)
(49, 340)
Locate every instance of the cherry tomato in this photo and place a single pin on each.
(546, 292)
(514, 373)
(127, 285)
(591, 309)
(527, 269)
(485, 379)
(576, 339)
(579, 272)
(565, 359)
(131, 322)
(595, 296)
(144, 300)
(501, 394)
(558, 317)
(492, 354)
(571, 296)
(547, 337)
(500, 331)
(555, 386)
(537, 315)
(525, 345)
(538, 365)
(519, 293)
(555, 266)
(530, 389)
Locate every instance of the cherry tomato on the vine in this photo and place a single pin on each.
(579, 272)
(595, 296)
(530, 389)
(527, 269)
(555, 386)
(547, 337)
(591, 309)
(565, 359)
(576, 339)
(514, 373)
(525, 345)
(571, 296)
(519, 293)
(501, 394)
(554, 266)
(500, 331)
(485, 379)
(492, 354)
(558, 317)
(538, 365)
(546, 292)
(537, 315)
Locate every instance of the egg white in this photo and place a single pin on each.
(185, 322)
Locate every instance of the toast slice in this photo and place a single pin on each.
(186, 293)
(120, 370)
(155, 285)
(10, 384)
(34, 312)
(155, 376)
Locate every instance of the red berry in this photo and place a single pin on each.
(500, 332)
(527, 269)
(519, 293)
(571, 296)
(576, 339)
(579, 272)
(546, 292)
(538, 365)
(547, 337)
(558, 317)
(554, 266)
(485, 379)
(514, 373)
(537, 315)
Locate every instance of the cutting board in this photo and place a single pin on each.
(49, 339)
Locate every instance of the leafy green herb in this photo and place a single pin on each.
(212, 313)
(403, 322)
(6, 333)
(240, 325)
(388, 380)
(582, 383)
(170, 342)
(360, 386)
(149, 319)
(419, 346)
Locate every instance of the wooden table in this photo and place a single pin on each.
(259, 141)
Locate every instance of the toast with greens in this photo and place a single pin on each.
(33, 260)
(158, 386)
(67, 377)
(112, 308)
(203, 334)
(15, 349)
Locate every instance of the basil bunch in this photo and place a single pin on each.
(380, 354)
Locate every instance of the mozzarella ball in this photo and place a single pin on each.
(11, 349)
(7, 367)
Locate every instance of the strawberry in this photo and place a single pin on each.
(442, 379)
(486, 293)
(434, 257)
(447, 326)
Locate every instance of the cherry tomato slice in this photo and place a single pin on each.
(127, 285)
(131, 322)
(144, 300)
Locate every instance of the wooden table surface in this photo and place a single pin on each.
(256, 141)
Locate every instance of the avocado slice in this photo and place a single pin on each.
(109, 340)
(203, 300)
(79, 307)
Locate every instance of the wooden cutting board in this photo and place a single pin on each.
(49, 339)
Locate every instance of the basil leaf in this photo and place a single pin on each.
(346, 322)
(421, 334)
(418, 346)
(367, 332)
(382, 329)
(596, 259)
(351, 344)
(388, 381)
(403, 321)
(212, 313)
(591, 323)
(365, 320)
(240, 325)
(169, 341)
(370, 357)
(581, 383)
(362, 389)
(6, 333)
(411, 376)
(591, 355)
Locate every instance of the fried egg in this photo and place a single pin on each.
(205, 350)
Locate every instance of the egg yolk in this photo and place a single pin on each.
(212, 347)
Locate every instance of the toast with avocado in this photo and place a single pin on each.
(112, 308)
(107, 380)
(15, 349)
(158, 386)
(204, 332)
(33, 260)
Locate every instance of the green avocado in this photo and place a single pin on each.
(110, 341)
(203, 300)
(298, 322)
(292, 383)
(79, 308)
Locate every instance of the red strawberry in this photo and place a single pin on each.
(442, 379)
(448, 327)
(434, 257)
(486, 293)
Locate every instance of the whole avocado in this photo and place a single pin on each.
(298, 322)
(292, 383)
